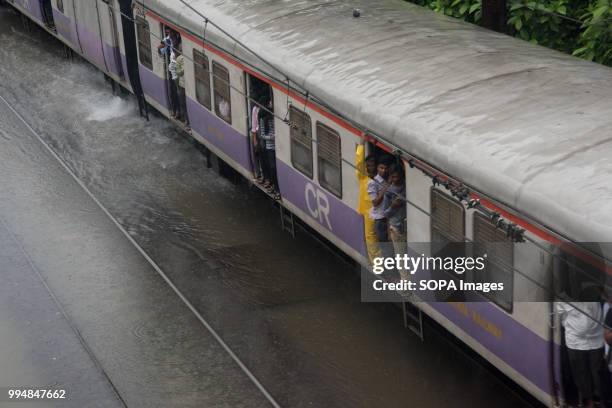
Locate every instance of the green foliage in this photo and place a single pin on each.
(579, 27)
(596, 37)
(468, 10)
(545, 22)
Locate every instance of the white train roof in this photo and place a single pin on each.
(528, 126)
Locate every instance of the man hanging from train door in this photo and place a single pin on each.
(394, 210)
(173, 85)
(366, 169)
(377, 187)
(166, 44)
(584, 339)
(268, 135)
(182, 95)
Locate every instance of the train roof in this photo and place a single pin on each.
(528, 126)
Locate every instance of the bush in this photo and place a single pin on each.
(578, 27)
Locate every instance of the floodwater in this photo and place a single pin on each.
(289, 308)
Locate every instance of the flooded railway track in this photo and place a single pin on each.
(142, 252)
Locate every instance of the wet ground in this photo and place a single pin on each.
(288, 308)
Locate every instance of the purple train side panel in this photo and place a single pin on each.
(154, 86)
(324, 208)
(65, 28)
(510, 341)
(33, 6)
(94, 48)
(219, 133)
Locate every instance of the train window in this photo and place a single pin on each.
(301, 141)
(329, 159)
(499, 249)
(447, 219)
(447, 239)
(221, 85)
(60, 5)
(144, 42)
(202, 78)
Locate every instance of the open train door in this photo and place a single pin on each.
(129, 21)
(579, 274)
(171, 40)
(259, 100)
(562, 386)
(47, 14)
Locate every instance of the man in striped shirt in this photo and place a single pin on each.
(255, 145)
(266, 131)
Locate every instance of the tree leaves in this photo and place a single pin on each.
(579, 27)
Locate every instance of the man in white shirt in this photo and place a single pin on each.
(377, 187)
(173, 84)
(584, 338)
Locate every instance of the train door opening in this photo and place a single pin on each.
(395, 210)
(170, 48)
(392, 207)
(47, 14)
(580, 279)
(135, 31)
(262, 146)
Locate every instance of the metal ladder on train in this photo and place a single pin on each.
(413, 318)
(287, 222)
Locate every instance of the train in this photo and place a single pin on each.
(500, 138)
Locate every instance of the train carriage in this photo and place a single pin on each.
(518, 130)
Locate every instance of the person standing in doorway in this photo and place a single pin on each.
(266, 129)
(166, 45)
(584, 339)
(394, 210)
(366, 171)
(255, 142)
(377, 187)
(172, 84)
(182, 95)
